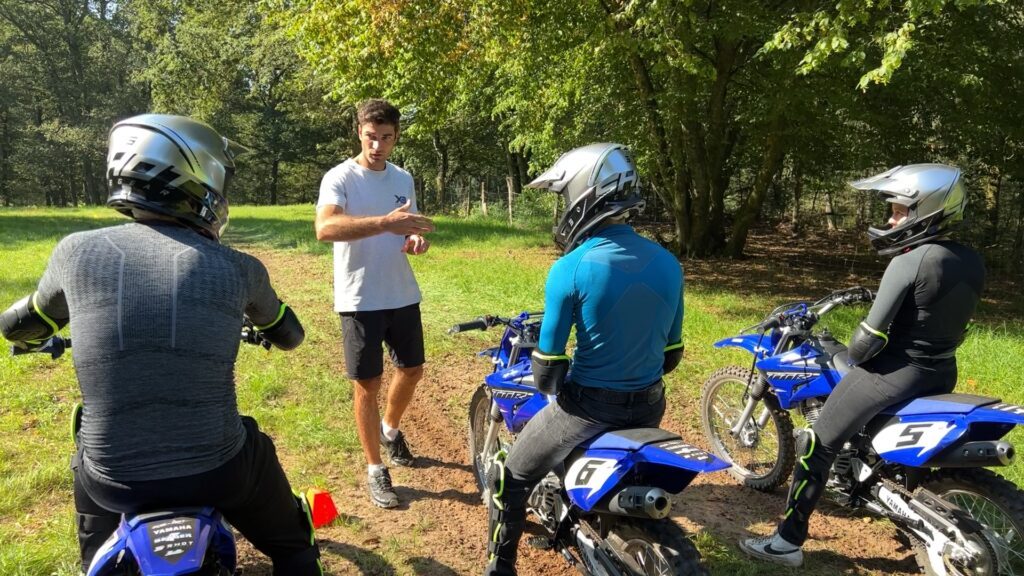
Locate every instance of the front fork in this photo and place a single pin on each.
(488, 449)
(744, 419)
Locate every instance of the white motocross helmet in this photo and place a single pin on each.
(935, 199)
(598, 182)
(173, 166)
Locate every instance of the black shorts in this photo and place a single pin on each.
(364, 332)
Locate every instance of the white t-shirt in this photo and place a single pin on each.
(371, 273)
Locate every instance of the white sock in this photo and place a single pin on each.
(388, 432)
(375, 468)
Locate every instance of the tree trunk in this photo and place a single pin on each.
(275, 167)
(483, 197)
(511, 194)
(751, 210)
(992, 207)
(514, 173)
(441, 181)
(830, 217)
(798, 188)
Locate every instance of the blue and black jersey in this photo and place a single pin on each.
(623, 293)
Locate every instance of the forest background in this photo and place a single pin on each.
(741, 114)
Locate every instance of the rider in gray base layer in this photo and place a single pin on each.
(905, 348)
(156, 308)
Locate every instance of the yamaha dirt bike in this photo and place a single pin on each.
(195, 541)
(920, 463)
(606, 508)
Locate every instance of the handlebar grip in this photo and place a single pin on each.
(478, 324)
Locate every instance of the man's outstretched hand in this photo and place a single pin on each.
(401, 221)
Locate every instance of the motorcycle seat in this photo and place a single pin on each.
(940, 403)
(630, 439)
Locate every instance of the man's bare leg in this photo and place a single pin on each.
(367, 411)
(403, 385)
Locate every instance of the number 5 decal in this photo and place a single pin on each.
(921, 435)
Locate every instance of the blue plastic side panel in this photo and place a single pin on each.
(796, 375)
(1001, 413)
(913, 439)
(669, 465)
(105, 560)
(518, 402)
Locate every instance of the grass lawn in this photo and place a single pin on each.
(474, 267)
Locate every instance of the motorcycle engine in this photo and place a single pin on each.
(546, 502)
(811, 409)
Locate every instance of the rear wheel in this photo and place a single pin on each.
(993, 501)
(654, 548)
(762, 457)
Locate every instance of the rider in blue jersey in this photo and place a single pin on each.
(623, 294)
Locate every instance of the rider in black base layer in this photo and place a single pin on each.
(623, 294)
(905, 348)
(156, 308)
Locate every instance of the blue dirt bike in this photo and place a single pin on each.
(606, 507)
(921, 463)
(196, 541)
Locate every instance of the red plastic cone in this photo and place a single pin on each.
(321, 507)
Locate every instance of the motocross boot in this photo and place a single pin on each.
(810, 475)
(507, 515)
(306, 562)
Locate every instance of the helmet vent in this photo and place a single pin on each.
(143, 167)
(118, 156)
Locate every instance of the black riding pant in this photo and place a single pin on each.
(250, 490)
(859, 397)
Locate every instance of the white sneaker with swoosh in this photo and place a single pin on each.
(773, 549)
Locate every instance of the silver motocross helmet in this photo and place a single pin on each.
(598, 182)
(172, 166)
(935, 199)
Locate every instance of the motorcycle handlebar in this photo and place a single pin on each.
(480, 323)
(54, 346)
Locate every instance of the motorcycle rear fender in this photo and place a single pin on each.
(168, 543)
(600, 470)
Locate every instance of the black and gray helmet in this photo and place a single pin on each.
(172, 166)
(598, 182)
(935, 199)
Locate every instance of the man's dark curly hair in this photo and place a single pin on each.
(378, 111)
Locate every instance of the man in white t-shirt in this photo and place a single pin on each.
(367, 208)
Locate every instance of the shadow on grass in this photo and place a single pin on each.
(429, 567)
(368, 562)
(407, 495)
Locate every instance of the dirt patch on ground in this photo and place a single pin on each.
(441, 530)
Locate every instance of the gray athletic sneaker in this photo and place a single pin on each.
(773, 549)
(397, 451)
(382, 492)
